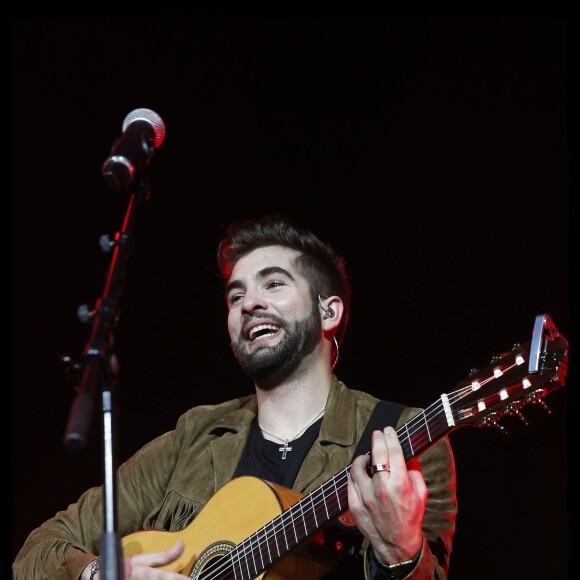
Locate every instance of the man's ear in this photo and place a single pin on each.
(332, 310)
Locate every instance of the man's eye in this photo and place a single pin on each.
(274, 284)
(235, 298)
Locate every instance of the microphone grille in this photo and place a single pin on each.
(150, 117)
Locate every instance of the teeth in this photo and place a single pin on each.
(260, 328)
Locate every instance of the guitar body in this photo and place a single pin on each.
(238, 509)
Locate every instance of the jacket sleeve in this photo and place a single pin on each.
(63, 545)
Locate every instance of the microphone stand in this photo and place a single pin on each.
(99, 372)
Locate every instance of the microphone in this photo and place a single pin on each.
(143, 132)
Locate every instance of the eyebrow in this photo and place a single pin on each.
(263, 273)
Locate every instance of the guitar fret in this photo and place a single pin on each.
(261, 553)
(408, 436)
(284, 532)
(270, 555)
(262, 548)
(427, 425)
(246, 557)
(336, 493)
(268, 543)
(254, 557)
(244, 570)
(294, 523)
(276, 539)
(233, 563)
(239, 564)
(313, 511)
(324, 501)
(303, 517)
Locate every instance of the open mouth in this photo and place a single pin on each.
(262, 330)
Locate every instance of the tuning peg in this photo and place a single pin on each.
(491, 422)
(537, 400)
(544, 406)
(517, 413)
(500, 428)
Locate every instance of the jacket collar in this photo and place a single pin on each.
(339, 423)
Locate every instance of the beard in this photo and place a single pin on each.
(272, 364)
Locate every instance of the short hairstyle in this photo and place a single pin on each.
(322, 267)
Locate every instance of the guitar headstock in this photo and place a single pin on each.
(512, 380)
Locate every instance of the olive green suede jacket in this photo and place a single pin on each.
(167, 483)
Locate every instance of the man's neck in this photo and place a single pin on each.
(285, 408)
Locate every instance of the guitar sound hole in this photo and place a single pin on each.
(207, 564)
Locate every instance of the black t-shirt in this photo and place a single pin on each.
(273, 461)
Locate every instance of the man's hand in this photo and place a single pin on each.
(142, 566)
(389, 505)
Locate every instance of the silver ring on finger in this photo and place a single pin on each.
(380, 467)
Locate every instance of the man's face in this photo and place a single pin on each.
(272, 321)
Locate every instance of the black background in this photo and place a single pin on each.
(433, 152)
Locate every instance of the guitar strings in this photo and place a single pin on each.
(271, 531)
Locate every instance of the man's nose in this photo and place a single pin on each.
(253, 301)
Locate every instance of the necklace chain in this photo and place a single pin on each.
(288, 439)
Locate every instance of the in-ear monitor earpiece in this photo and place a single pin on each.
(328, 311)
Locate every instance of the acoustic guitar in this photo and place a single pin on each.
(252, 528)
